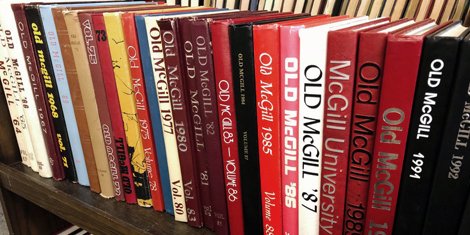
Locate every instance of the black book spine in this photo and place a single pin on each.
(44, 64)
(433, 88)
(465, 222)
(242, 54)
(452, 175)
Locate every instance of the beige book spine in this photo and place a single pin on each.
(89, 101)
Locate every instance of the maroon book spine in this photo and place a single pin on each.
(201, 40)
(48, 129)
(183, 130)
(115, 112)
(189, 60)
(88, 32)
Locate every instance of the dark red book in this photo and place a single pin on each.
(88, 32)
(181, 116)
(143, 114)
(115, 112)
(39, 93)
(401, 66)
(339, 91)
(369, 72)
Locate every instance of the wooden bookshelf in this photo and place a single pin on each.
(77, 205)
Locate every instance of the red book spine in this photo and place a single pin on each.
(289, 37)
(115, 112)
(400, 73)
(339, 91)
(210, 118)
(179, 104)
(88, 31)
(143, 114)
(196, 117)
(266, 52)
(369, 72)
(39, 91)
(228, 123)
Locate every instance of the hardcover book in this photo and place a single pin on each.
(452, 176)
(433, 88)
(403, 54)
(369, 73)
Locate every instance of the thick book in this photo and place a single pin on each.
(401, 66)
(433, 89)
(200, 162)
(451, 179)
(268, 82)
(369, 73)
(10, 90)
(77, 100)
(47, 75)
(26, 91)
(90, 38)
(47, 126)
(112, 97)
(77, 44)
(339, 90)
(174, 51)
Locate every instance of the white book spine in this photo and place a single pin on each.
(27, 96)
(311, 96)
(10, 89)
(166, 114)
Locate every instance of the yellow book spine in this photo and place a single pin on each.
(166, 114)
(122, 74)
(91, 108)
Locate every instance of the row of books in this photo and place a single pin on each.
(439, 10)
(246, 122)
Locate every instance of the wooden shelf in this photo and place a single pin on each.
(78, 205)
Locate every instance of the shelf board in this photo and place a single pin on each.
(88, 210)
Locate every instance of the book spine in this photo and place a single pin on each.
(210, 120)
(432, 94)
(244, 87)
(311, 104)
(26, 93)
(179, 105)
(44, 62)
(65, 96)
(196, 117)
(155, 45)
(267, 77)
(339, 87)
(228, 124)
(122, 74)
(140, 94)
(85, 82)
(147, 69)
(76, 95)
(452, 173)
(370, 62)
(88, 31)
(112, 97)
(289, 54)
(10, 89)
(400, 72)
(47, 126)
